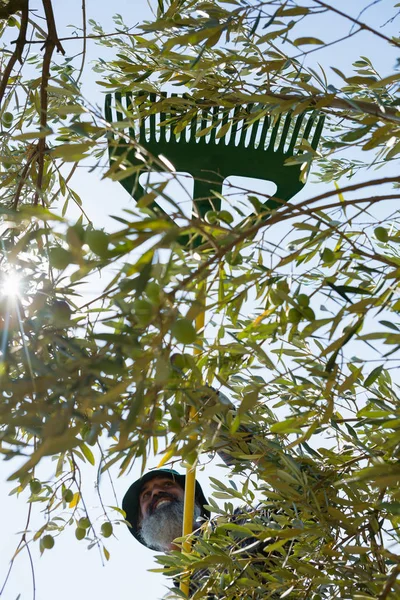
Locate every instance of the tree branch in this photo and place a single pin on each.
(50, 44)
(19, 47)
(391, 580)
(11, 8)
(387, 113)
(286, 213)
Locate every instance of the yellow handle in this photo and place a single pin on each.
(190, 484)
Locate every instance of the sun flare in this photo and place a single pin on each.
(10, 285)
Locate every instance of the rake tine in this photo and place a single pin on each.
(285, 132)
(118, 100)
(234, 127)
(214, 119)
(163, 116)
(243, 132)
(107, 108)
(317, 132)
(173, 137)
(129, 108)
(203, 125)
(182, 133)
(193, 128)
(225, 118)
(308, 128)
(274, 133)
(152, 119)
(295, 133)
(108, 115)
(253, 135)
(142, 120)
(264, 131)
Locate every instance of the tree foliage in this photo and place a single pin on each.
(302, 302)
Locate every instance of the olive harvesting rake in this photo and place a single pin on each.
(211, 143)
(216, 143)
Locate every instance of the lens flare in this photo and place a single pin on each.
(10, 285)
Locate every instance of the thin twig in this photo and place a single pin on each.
(24, 175)
(18, 549)
(282, 215)
(84, 28)
(357, 22)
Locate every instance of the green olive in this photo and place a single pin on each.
(84, 523)
(106, 529)
(309, 313)
(183, 331)
(381, 234)
(48, 542)
(294, 316)
(80, 533)
(225, 216)
(35, 486)
(68, 495)
(303, 300)
(275, 298)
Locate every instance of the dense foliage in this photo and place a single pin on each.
(302, 328)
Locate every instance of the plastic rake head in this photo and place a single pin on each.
(210, 143)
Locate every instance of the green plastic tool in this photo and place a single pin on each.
(232, 142)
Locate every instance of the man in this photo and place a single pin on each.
(154, 508)
(154, 503)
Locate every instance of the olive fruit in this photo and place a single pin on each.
(84, 523)
(294, 316)
(303, 300)
(183, 331)
(80, 533)
(68, 495)
(225, 216)
(381, 234)
(309, 313)
(35, 486)
(106, 529)
(48, 542)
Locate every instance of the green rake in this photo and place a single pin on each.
(216, 143)
(210, 144)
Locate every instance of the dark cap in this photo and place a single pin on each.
(131, 504)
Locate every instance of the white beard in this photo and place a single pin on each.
(165, 524)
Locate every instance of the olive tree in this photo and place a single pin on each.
(301, 299)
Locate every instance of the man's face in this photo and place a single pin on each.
(161, 513)
(158, 492)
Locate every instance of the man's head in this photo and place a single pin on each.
(154, 508)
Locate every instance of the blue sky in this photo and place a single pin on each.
(70, 570)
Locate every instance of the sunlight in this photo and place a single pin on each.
(10, 285)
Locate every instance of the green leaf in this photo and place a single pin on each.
(373, 376)
(302, 41)
(88, 453)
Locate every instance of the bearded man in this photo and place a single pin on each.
(154, 508)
